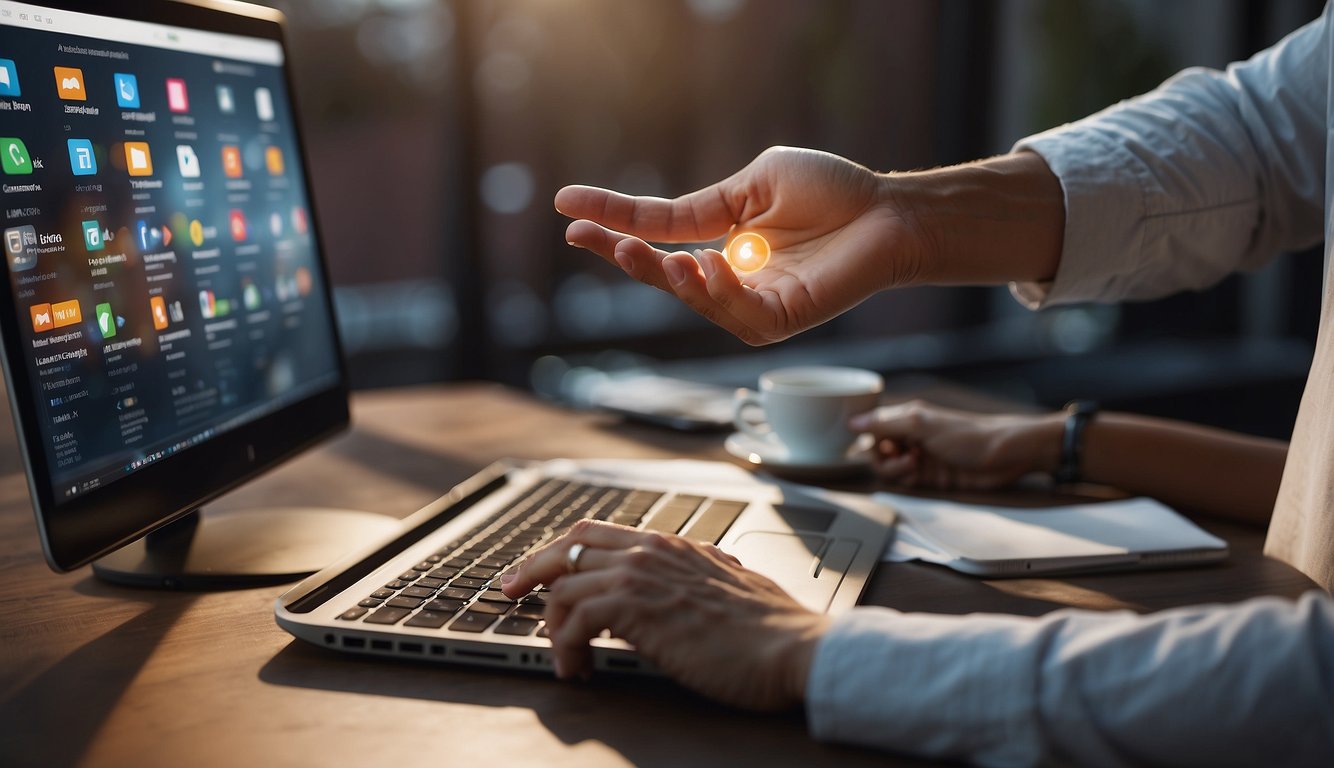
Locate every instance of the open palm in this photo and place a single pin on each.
(835, 234)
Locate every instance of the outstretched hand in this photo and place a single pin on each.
(689, 608)
(836, 235)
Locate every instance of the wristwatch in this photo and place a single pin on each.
(1079, 413)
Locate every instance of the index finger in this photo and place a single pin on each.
(696, 217)
(548, 563)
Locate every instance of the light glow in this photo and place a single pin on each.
(747, 252)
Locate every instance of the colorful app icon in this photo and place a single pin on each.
(14, 157)
(189, 161)
(299, 220)
(9, 78)
(158, 308)
(231, 161)
(69, 84)
(208, 305)
(152, 237)
(177, 98)
(177, 312)
(276, 224)
(138, 160)
(106, 320)
(82, 161)
(127, 90)
(264, 104)
(238, 224)
(66, 313)
(92, 236)
(226, 100)
(273, 158)
(197, 232)
(250, 296)
(41, 317)
(17, 242)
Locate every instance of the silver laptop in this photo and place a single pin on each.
(430, 591)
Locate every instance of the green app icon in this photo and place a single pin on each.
(106, 320)
(14, 157)
(92, 236)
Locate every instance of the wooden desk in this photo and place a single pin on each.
(101, 675)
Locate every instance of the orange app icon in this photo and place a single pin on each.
(273, 156)
(231, 161)
(138, 160)
(41, 317)
(159, 308)
(66, 313)
(69, 84)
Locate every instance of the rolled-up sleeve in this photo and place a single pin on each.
(1210, 173)
(1248, 684)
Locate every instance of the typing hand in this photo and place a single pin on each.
(690, 609)
(837, 237)
(924, 445)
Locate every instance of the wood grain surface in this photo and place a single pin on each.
(94, 674)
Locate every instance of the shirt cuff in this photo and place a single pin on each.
(1104, 186)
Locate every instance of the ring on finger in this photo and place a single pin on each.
(572, 556)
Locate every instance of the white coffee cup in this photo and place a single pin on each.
(806, 409)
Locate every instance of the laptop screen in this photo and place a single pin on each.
(162, 262)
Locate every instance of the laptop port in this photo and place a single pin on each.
(381, 645)
(353, 642)
(410, 647)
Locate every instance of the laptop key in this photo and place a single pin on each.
(457, 593)
(443, 573)
(714, 521)
(515, 625)
(480, 573)
(528, 612)
(473, 621)
(408, 576)
(495, 609)
(418, 592)
(466, 583)
(397, 584)
(370, 602)
(429, 619)
(495, 596)
(430, 583)
(352, 614)
(382, 594)
(443, 606)
(408, 603)
(387, 615)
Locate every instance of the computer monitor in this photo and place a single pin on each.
(170, 333)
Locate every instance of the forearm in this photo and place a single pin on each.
(1185, 465)
(988, 222)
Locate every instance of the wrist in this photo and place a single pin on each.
(1040, 440)
(797, 654)
(987, 222)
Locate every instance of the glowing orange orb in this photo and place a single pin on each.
(748, 252)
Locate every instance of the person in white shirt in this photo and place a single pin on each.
(1210, 173)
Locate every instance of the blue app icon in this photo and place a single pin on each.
(82, 161)
(9, 78)
(127, 90)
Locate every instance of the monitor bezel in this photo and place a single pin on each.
(79, 530)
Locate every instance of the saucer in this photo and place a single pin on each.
(773, 456)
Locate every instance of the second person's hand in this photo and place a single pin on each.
(836, 232)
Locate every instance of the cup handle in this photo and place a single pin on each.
(748, 399)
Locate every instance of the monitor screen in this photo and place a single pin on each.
(170, 332)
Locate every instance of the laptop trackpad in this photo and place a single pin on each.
(807, 566)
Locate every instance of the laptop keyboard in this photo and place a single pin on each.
(459, 585)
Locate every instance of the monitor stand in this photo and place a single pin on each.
(245, 548)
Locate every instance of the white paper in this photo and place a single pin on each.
(943, 531)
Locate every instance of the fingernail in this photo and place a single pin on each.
(704, 264)
(506, 578)
(622, 261)
(676, 274)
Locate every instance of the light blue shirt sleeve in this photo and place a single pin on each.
(1209, 173)
(1248, 684)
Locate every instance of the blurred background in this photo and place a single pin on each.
(439, 130)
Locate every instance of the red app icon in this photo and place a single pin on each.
(238, 223)
(177, 99)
